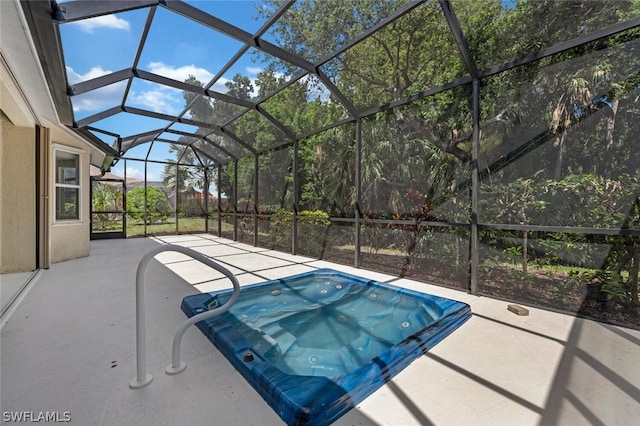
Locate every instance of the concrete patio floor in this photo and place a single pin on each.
(69, 347)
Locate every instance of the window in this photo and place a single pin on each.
(67, 184)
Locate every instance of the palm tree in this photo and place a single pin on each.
(188, 173)
(104, 198)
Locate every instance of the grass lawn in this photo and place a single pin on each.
(184, 225)
(135, 228)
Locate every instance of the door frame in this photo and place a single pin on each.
(122, 233)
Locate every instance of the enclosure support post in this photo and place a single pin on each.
(124, 198)
(358, 183)
(145, 198)
(256, 164)
(219, 200)
(177, 193)
(475, 245)
(235, 200)
(294, 237)
(205, 194)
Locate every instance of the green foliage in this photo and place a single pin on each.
(312, 229)
(556, 135)
(314, 217)
(311, 217)
(603, 203)
(191, 173)
(157, 205)
(281, 217)
(105, 198)
(191, 204)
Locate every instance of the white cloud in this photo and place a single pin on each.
(133, 172)
(107, 21)
(316, 90)
(254, 70)
(181, 73)
(104, 97)
(220, 86)
(94, 72)
(163, 100)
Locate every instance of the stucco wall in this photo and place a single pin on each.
(18, 198)
(71, 239)
(26, 103)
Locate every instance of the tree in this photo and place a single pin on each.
(190, 171)
(104, 198)
(552, 132)
(157, 206)
(200, 107)
(202, 167)
(187, 171)
(412, 54)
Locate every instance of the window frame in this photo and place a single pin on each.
(57, 149)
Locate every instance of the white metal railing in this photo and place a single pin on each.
(143, 378)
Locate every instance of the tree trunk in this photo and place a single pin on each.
(632, 284)
(561, 152)
(608, 148)
(525, 243)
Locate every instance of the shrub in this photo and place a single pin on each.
(158, 208)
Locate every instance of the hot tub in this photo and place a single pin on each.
(314, 345)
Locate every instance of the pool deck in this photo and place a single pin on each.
(69, 347)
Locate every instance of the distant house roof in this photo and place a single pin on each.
(96, 174)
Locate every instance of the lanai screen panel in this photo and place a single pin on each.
(416, 183)
(560, 129)
(227, 202)
(192, 202)
(155, 98)
(236, 11)
(258, 132)
(114, 38)
(193, 49)
(414, 53)
(327, 200)
(113, 41)
(327, 172)
(108, 138)
(257, 75)
(316, 29)
(275, 183)
(305, 106)
(245, 198)
(416, 160)
(210, 151)
(134, 128)
(104, 98)
(500, 31)
(559, 180)
(276, 199)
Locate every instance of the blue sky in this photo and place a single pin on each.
(176, 47)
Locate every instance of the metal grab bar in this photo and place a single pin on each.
(143, 378)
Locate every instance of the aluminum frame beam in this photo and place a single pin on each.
(78, 10)
(98, 82)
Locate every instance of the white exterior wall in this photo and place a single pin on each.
(25, 102)
(18, 205)
(70, 239)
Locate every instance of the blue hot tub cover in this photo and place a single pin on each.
(380, 329)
